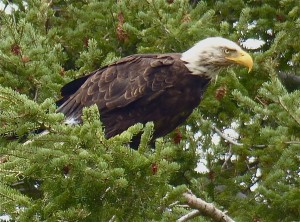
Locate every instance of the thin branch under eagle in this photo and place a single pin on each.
(162, 88)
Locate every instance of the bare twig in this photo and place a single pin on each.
(174, 204)
(228, 158)
(183, 206)
(106, 191)
(207, 209)
(189, 216)
(292, 142)
(230, 140)
(112, 219)
(36, 94)
(11, 171)
(45, 132)
(5, 6)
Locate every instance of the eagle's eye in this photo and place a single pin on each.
(227, 51)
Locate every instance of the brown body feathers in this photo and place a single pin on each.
(137, 89)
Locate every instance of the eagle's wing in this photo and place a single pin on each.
(117, 85)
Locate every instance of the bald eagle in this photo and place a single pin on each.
(162, 88)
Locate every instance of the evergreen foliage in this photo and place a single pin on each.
(72, 173)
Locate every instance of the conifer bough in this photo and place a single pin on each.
(162, 88)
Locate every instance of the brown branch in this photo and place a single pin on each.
(206, 209)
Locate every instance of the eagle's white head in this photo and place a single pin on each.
(208, 56)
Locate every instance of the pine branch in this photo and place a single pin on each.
(12, 195)
(205, 208)
(288, 111)
(160, 20)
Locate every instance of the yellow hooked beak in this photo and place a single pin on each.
(242, 58)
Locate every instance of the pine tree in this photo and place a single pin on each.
(74, 174)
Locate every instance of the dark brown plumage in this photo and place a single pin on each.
(163, 88)
(126, 97)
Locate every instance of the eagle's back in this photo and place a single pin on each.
(137, 88)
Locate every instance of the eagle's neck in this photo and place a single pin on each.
(201, 61)
(208, 71)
